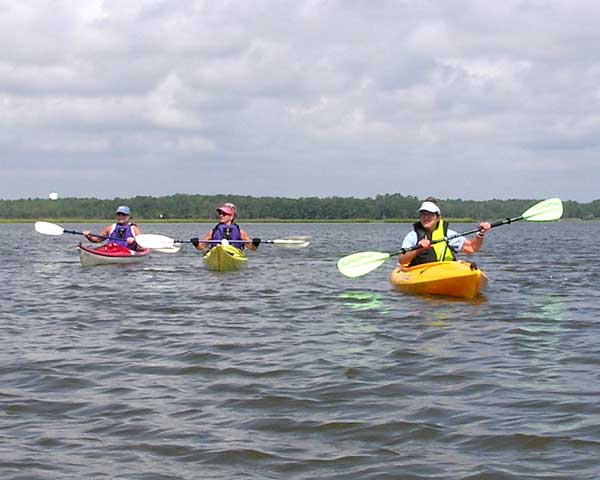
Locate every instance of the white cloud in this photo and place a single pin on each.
(283, 91)
(166, 106)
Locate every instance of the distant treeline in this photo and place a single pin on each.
(180, 206)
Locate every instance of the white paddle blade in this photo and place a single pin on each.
(173, 249)
(292, 242)
(48, 228)
(361, 263)
(151, 240)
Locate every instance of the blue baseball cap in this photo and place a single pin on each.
(124, 209)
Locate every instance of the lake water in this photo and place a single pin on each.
(288, 370)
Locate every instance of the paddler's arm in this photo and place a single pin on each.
(202, 245)
(252, 243)
(131, 240)
(406, 258)
(92, 238)
(474, 244)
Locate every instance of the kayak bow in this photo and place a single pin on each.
(224, 258)
(110, 254)
(453, 279)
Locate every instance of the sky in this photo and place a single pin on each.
(294, 98)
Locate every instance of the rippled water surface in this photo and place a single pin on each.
(287, 370)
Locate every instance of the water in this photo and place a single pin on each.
(289, 370)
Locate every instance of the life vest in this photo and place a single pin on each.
(120, 233)
(229, 232)
(440, 251)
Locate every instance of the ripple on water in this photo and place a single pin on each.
(288, 370)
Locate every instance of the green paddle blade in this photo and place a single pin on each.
(361, 263)
(48, 228)
(548, 210)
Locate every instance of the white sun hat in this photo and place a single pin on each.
(429, 207)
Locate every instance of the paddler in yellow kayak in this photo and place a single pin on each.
(430, 227)
(228, 230)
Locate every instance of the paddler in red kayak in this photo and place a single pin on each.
(121, 233)
(228, 230)
(431, 226)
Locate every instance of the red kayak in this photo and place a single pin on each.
(110, 254)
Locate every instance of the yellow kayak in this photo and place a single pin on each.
(224, 258)
(454, 279)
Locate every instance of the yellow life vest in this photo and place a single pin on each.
(440, 251)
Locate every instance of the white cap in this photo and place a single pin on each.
(430, 207)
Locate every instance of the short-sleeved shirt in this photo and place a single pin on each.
(410, 240)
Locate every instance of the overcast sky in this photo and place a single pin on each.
(456, 99)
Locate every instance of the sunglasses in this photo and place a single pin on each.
(121, 213)
(223, 214)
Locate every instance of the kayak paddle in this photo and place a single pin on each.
(361, 263)
(48, 228)
(150, 240)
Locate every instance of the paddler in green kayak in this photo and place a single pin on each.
(431, 227)
(228, 230)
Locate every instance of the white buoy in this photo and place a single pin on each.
(53, 196)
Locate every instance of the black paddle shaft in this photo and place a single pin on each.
(504, 221)
(75, 232)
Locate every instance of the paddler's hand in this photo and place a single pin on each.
(256, 242)
(483, 227)
(86, 233)
(195, 241)
(130, 240)
(424, 243)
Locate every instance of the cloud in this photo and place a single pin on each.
(297, 98)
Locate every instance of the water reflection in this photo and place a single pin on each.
(552, 308)
(361, 300)
(548, 308)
